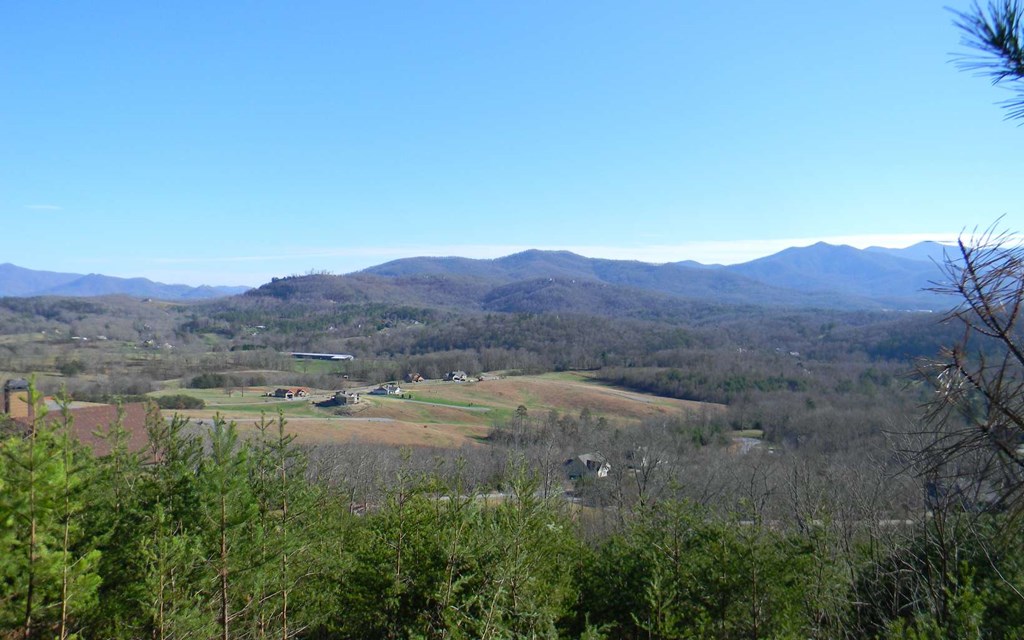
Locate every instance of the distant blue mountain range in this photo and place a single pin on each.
(20, 282)
(821, 275)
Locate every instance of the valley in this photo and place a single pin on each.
(511, 321)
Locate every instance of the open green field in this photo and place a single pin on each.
(441, 414)
(21, 338)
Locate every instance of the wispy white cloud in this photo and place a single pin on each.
(43, 207)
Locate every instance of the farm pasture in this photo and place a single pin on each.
(439, 414)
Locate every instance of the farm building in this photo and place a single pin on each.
(302, 355)
(340, 399)
(413, 377)
(344, 398)
(16, 403)
(456, 376)
(968, 494)
(586, 465)
(387, 390)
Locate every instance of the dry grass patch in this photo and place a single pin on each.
(539, 393)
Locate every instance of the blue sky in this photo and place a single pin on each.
(229, 142)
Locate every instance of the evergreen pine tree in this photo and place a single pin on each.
(229, 513)
(49, 577)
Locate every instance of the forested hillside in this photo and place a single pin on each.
(846, 363)
(822, 276)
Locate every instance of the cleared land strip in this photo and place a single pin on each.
(448, 406)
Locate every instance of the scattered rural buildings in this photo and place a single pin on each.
(456, 376)
(289, 394)
(389, 389)
(413, 377)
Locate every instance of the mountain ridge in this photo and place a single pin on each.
(817, 275)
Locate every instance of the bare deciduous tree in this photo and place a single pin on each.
(976, 419)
